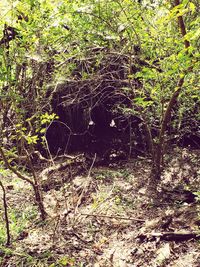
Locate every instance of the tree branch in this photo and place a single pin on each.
(27, 179)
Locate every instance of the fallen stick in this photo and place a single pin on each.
(172, 236)
(113, 217)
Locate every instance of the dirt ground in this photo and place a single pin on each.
(102, 216)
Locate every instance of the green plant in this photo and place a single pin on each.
(65, 261)
(18, 222)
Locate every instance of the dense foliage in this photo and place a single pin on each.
(45, 36)
(115, 79)
(47, 42)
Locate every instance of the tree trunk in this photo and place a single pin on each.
(6, 215)
(39, 201)
(159, 151)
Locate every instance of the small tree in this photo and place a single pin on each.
(34, 182)
(176, 12)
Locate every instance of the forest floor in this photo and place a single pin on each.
(102, 217)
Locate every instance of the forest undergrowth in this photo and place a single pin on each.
(103, 217)
(99, 133)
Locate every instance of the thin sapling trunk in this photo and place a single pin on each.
(8, 241)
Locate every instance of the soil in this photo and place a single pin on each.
(103, 216)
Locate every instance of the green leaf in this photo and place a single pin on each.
(192, 7)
